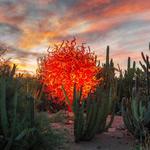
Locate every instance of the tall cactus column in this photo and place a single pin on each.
(90, 114)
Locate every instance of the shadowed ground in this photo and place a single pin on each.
(117, 138)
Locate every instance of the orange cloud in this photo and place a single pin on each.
(31, 39)
(89, 21)
(100, 9)
(59, 30)
(45, 2)
(129, 7)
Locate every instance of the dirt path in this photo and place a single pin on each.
(117, 138)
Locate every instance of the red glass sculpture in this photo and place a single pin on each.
(66, 65)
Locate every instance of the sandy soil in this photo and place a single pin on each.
(117, 138)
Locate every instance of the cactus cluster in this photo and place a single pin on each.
(136, 103)
(90, 114)
(11, 124)
(21, 126)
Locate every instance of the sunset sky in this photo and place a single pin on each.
(28, 27)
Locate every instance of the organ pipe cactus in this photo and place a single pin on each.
(129, 77)
(90, 115)
(146, 68)
(126, 81)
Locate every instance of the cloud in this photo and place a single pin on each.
(27, 27)
(9, 34)
(18, 53)
(9, 28)
(11, 12)
(108, 8)
(26, 61)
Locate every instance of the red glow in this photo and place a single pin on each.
(66, 65)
